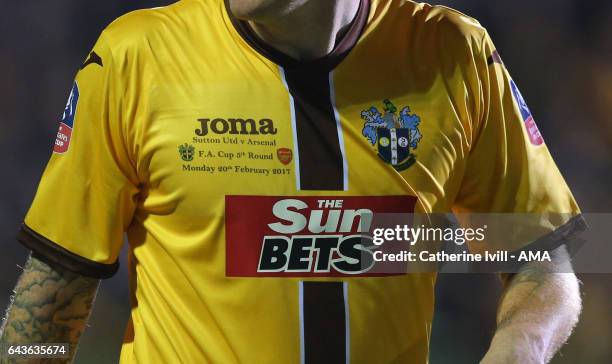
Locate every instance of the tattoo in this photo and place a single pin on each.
(50, 305)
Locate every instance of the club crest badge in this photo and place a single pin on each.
(187, 152)
(284, 155)
(396, 135)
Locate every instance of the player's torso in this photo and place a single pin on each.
(217, 119)
(230, 154)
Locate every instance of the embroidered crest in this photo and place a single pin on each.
(396, 134)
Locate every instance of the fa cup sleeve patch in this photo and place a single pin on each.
(532, 129)
(62, 141)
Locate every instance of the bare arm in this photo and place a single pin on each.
(50, 305)
(537, 312)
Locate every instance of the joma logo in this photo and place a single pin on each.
(236, 126)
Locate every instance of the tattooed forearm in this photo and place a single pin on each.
(50, 305)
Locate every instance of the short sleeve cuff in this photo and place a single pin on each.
(560, 236)
(55, 255)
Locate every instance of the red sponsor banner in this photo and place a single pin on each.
(304, 236)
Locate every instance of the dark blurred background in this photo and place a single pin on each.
(559, 52)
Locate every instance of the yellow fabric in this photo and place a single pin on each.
(165, 68)
(87, 195)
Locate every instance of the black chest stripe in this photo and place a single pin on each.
(324, 323)
(320, 153)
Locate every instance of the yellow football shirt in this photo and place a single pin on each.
(239, 176)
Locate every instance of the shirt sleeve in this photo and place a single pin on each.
(509, 171)
(86, 197)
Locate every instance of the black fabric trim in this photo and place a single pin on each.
(560, 236)
(320, 155)
(55, 255)
(327, 63)
(324, 322)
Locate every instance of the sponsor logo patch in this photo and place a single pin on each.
(64, 133)
(314, 236)
(495, 58)
(532, 129)
(93, 58)
(236, 126)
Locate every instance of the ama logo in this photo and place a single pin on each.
(532, 129)
(62, 141)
